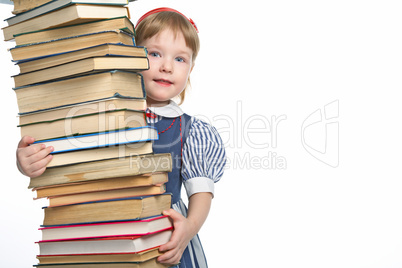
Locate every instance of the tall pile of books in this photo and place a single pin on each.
(79, 91)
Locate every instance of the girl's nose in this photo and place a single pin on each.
(167, 66)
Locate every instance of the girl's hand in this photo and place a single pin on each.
(185, 228)
(32, 160)
(182, 234)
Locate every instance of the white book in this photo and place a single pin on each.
(105, 229)
(99, 246)
(101, 139)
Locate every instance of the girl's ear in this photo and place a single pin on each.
(192, 67)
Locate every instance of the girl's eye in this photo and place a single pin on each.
(180, 59)
(154, 54)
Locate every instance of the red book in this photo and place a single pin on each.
(127, 244)
(106, 229)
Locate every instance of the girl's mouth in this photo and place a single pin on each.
(163, 82)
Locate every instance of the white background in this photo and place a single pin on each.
(283, 58)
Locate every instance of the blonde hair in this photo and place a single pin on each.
(156, 23)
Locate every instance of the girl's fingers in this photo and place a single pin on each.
(36, 169)
(29, 150)
(41, 154)
(173, 214)
(168, 246)
(32, 160)
(171, 257)
(42, 162)
(37, 172)
(25, 141)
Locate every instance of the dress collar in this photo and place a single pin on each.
(171, 110)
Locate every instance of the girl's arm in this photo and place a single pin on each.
(185, 228)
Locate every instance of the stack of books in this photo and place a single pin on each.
(79, 91)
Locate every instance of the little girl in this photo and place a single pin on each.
(199, 157)
(196, 148)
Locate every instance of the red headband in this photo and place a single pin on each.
(157, 10)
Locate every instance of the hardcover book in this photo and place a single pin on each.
(46, 35)
(63, 200)
(109, 210)
(101, 139)
(64, 45)
(103, 153)
(63, 259)
(74, 125)
(128, 244)
(89, 107)
(104, 169)
(106, 49)
(81, 67)
(152, 263)
(98, 230)
(74, 14)
(80, 89)
(57, 4)
(102, 185)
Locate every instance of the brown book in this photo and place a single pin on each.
(85, 66)
(103, 185)
(70, 44)
(84, 124)
(25, 5)
(152, 263)
(79, 90)
(99, 106)
(111, 168)
(120, 23)
(57, 4)
(110, 152)
(88, 52)
(111, 210)
(70, 15)
(63, 200)
(100, 258)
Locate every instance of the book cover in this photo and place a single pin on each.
(142, 256)
(100, 153)
(57, 4)
(105, 49)
(125, 209)
(96, 106)
(34, 51)
(129, 244)
(117, 23)
(73, 14)
(154, 178)
(79, 90)
(63, 200)
(152, 263)
(21, 6)
(103, 169)
(82, 67)
(74, 125)
(97, 230)
(102, 139)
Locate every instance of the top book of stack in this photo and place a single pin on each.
(23, 6)
(67, 14)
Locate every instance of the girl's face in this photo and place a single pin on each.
(170, 64)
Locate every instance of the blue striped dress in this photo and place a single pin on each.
(202, 161)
